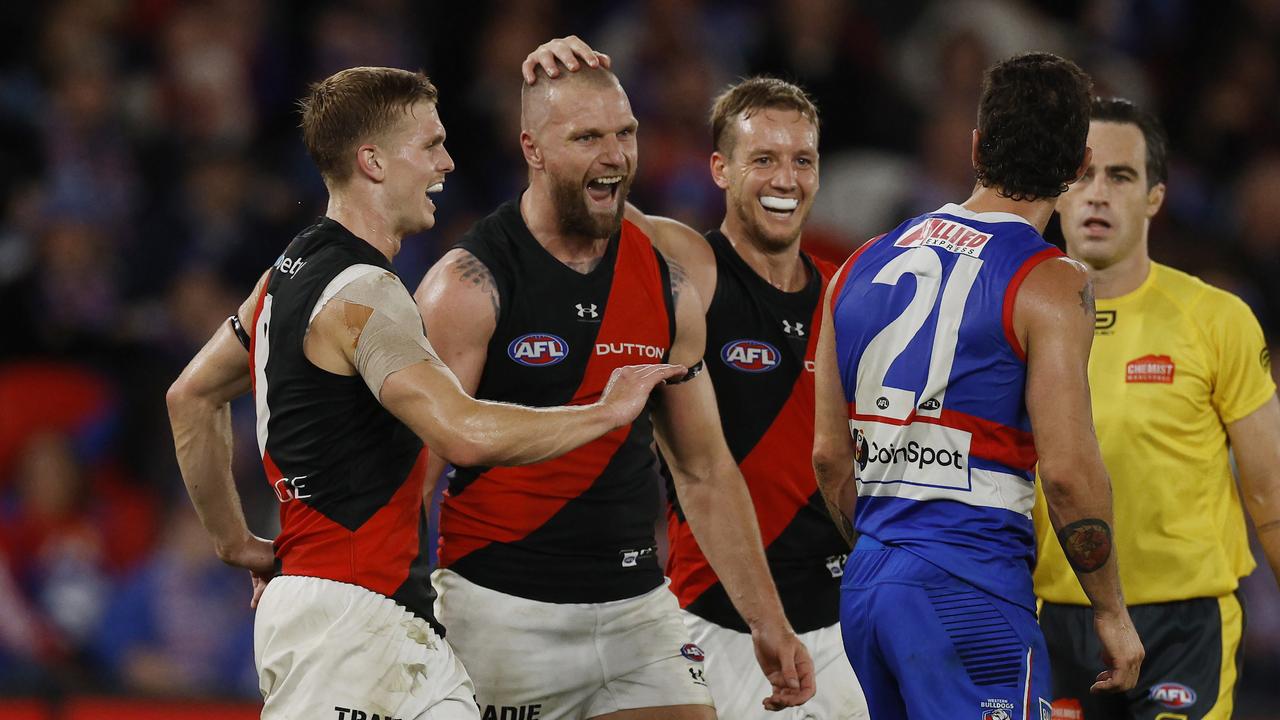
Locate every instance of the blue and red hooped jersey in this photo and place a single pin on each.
(935, 380)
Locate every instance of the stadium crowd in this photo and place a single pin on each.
(150, 169)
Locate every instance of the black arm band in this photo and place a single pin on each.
(694, 370)
(238, 329)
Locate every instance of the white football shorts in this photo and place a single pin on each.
(534, 660)
(738, 685)
(333, 651)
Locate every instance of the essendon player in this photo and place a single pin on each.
(762, 297)
(954, 351)
(347, 389)
(548, 572)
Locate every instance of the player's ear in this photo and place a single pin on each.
(1155, 199)
(1084, 166)
(532, 153)
(370, 163)
(973, 151)
(719, 170)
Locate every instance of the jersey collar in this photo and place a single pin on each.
(988, 217)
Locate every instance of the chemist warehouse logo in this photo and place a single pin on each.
(753, 356)
(538, 349)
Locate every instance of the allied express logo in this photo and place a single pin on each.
(753, 356)
(538, 349)
(947, 234)
(1150, 369)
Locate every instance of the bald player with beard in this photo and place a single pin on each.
(761, 295)
(548, 572)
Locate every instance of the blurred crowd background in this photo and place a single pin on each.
(151, 169)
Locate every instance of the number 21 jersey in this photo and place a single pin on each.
(935, 382)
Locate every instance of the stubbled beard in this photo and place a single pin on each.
(766, 241)
(577, 219)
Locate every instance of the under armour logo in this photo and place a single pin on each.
(791, 328)
(587, 311)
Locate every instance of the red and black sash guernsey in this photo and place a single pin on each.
(760, 348)
(578, 528)
(345, 471)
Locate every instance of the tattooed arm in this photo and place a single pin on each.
(459, 285)
(1086, 300)
(1057, 336)
(682, 245)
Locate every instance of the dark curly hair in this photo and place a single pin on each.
(1124, 112)
(1033, 121)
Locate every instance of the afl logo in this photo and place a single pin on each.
(538, 349)
(753, 356)
(693, 652)
(1173, 695)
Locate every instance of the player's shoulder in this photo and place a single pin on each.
(686, 252)
(672, 238)
(1203, 303)
(457, 274)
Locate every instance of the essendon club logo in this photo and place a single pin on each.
(753, 356)
(1150, 369)
(947, 234)
(538, 349)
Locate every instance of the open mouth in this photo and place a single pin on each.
(604, 189)
(779, 206)
(1096, 225)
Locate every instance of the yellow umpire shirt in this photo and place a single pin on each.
(1173, 363)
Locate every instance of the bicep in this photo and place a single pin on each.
(1255, 442)
(687, 424)
(426, 397)
(831, 420)
(691, 324)
(1054, 311)
(220, 370)
(459, 303)
(219, 373)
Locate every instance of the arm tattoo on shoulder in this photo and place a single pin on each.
(1086, 298)
(679, 278)
(1086, 543)
(469, 269)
